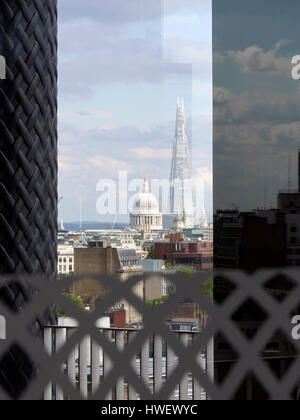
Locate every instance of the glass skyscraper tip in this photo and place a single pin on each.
(181, 190)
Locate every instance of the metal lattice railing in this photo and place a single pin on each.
(88, 365)
(122, 358)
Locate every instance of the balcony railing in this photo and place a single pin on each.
(88, 365)
(88, 361)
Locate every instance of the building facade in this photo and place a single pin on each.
(65, 260)
(91, 262)
(145, 216)
(198, 255)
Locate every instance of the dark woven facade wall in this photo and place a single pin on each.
(28, 159)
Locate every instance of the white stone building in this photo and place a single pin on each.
(65, 259)
(145, 216)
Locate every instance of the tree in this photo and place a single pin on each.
(208, 286)
(151, 254)
(76, 299)
(158, 301)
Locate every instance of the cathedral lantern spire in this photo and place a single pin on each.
(146, 185)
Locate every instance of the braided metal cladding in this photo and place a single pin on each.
(28, 155)
(249, 352)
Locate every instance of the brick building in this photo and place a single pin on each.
(97, 261)
(193, 254)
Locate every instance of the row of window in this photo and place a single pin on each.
(63, 268)
(64, 260)
(128, 253)
(129, 263)
(168, 290)
(197, 261)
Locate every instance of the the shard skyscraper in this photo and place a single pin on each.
(181, 187)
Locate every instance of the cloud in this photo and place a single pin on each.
(198, 53)
(68, 138)
(254, 134)
(65, 165)
(86, 155)
(120, 12)
(86, 63)
(123, 42)
(221, 96)
(109, 12)
(110, 48)
(255, 60)
(150, 153)
(254, 107)
(108, 165)
(204, 175)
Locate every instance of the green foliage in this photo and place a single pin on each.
(151, 254)
(169, 266)
(158, 301)
(207, 288)
(187, 271)
(76, 299)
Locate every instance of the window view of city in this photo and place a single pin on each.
(135, 155)
(135, 147)
(149, 202)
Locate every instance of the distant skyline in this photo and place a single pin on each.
(122, 66)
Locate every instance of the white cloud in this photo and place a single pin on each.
(150, 153)
(108, 165)
(68, 138)
(106, 49)
(203, 174)
(199, 54)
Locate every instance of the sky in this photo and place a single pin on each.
(122, 66)
(256, 101)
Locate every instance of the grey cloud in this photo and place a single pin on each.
(221, 96)
(98, 58)
(255, 60)
(96, 48)
(78, 147)
(82, 74)
(254, 134)
(254, 108)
